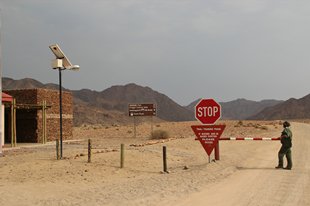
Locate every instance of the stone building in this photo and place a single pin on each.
(37, 121)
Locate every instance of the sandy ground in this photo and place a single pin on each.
(245, 175)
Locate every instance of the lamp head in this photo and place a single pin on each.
(61, 56)
(74, 68)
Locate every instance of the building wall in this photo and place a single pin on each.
(36, 97)
(52, 114)
(2, 125)
(23, 96)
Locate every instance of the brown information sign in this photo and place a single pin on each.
(141, 110)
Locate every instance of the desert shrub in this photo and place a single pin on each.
(239, 124)
(264, 127)
(257, 126)
(159, 134)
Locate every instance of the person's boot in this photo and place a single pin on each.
(279, 167)
(287, 168)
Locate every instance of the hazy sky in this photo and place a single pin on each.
(186, 49)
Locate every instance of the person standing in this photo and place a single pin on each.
(286, 141)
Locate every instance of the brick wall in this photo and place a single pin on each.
(36, 97)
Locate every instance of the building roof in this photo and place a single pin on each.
(6, 97)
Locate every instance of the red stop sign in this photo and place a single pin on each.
(208, 111)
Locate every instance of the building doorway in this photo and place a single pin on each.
(26, 126)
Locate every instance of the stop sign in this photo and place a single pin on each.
(207, 111)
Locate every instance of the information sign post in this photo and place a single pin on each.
(142, 110)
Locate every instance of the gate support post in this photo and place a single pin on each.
(217, 151)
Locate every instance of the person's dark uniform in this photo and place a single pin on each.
(286, 141)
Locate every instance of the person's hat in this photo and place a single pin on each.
(286, 124)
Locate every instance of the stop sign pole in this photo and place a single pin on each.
(208, 111)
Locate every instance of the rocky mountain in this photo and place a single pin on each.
(290, 109)
(241, 108)
(26, 83)
(117, 98)
(111, 104)
(8, 83)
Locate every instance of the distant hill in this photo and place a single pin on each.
(8, 83)
(26, 83)
(290, 109)
(110, 105)
(117, 98)
(192, 105)
(241, 108)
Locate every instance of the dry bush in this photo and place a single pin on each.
(159, 134)
(239, 124)
(264, 127)
(257, 126)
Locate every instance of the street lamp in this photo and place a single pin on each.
(61, 63)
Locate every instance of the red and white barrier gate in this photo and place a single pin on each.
(216, 149)
(251, 138)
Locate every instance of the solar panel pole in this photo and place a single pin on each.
(60, 111)
(61, 63)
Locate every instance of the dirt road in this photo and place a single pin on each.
(245, 175)
(257, 183)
